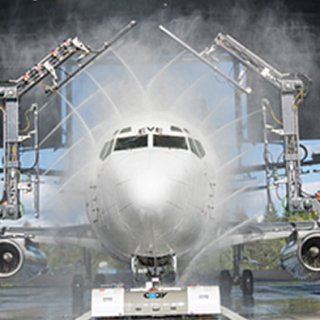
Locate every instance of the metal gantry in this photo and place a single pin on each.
(11, 92)
(293, 88)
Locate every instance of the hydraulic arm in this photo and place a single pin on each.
(11, 92)
(293, 89)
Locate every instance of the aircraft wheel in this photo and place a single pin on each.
(172, 276)
(77, 288)
(99, 280)
(169, 277)
(225, 283)
(247, 283)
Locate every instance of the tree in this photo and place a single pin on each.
(65, 258)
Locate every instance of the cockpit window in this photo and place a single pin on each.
(131, 143)
(170, 142)
(200, 148)
(193, 147)
(125, 130)
(175, 129)
(186, 130)
(106, 150)
(197, 148)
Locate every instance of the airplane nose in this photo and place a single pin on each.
(158, 203)
(150, 189)
(153, 196)
(152, 207)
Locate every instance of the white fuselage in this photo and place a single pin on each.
(151, 189)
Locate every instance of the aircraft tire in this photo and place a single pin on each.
(77, 288)
(226, 283)
(99, 280)
(169, 278)
(247, 283)
(172, 276)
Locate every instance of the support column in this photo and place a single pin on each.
(11, 153)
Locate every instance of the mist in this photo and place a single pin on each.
(136, 77)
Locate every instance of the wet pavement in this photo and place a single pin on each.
(272, 300)
(277, 299)
(39, 304)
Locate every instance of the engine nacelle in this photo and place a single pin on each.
(301, 256)
(20, 261)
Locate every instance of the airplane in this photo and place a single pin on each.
(149, 193)
(150, 201)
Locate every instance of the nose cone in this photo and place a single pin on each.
(150, 189)
(155, 210)
(150, 195)
(152, 198)
(150, 182)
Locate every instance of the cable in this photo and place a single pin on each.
(22, 209)
(13, 151)
(305, 152)
(290, 142)
(271, 156)
(4, 198)
(296, 99)
(28, 121)
(283, 203)
(307, 83)
(273, 115)
(82, 56)
(47, 87)
(2, 108)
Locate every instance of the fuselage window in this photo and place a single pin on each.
(170, 142)
(125, 130)
(131, 143)
(193, 147)
(106, 150)
(200, 148)
(175, 129)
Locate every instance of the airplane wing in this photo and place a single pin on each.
(300, 256)
(78, 235)
(249, 232)
(83, 235)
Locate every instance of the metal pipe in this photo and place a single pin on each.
(204, 60)
(266, 159)
(4, 195)
(36, 148)
(238, 113)
(98, 53)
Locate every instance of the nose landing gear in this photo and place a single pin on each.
(146, 268)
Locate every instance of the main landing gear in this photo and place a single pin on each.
(245, 280)
(78, 288)
(79, 282)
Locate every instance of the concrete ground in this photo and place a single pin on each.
(273, 299)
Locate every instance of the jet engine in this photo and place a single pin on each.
(301, 256)
(20, 260)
